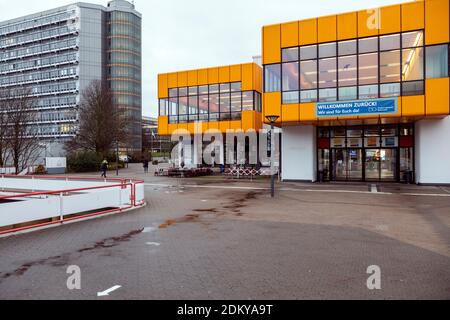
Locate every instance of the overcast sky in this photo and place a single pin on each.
(191, 34)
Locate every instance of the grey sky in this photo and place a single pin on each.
(190, 34)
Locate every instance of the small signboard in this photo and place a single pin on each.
(357, 108)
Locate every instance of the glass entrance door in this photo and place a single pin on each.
(347, 164)
(381, 164)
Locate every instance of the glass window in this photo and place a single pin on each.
(347, 47)
(412, 88)
(308, 74)
(290, 54)
(173, 106)
(390, 42)
(214, 103)
(412, 39)
(389, 90)
(368, 92)
(193, 91)
(224, 102)
(182, 92)
(347, 71)
(327, 95)
(163, 104)
(368, 45)
(193, 105)
(203, 104)
(203, 90)
(437, 61)
(236, 86)
(247, 100)
(183, 105)
(368, 68)
(347, 93)
(236, 102)
(225, 87)
(272, 78)
(308, 96)
(327, 73)
(327, 50)
(308, 52)
(214, 88)
(412, 64)
(290, 76)
(390, 66)
(291, 97)
(173, 92)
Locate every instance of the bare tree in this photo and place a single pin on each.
(20, 128)
(3, 127)
(102, 123)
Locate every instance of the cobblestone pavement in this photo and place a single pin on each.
(212, 238)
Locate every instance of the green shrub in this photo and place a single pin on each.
(86, 161)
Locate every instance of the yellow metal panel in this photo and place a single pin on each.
(291, 113)
(192, 78)
(224, 74)
(307, 31)
(235, 125)
(437, 93)
(437, 21)
(247, 77)
(182, 126)
(224, 126)
(271, 44)
(172, 80)
(191, 127)
(163, 91)
(163, 123)
(202, 77)
(213, 125)
(390, 21)
(327, 29)
(413, 16)
(272, 104)
(213, 75)
(257, 78)
(235, 73)
(248, 120)
(413, 106)
(308, 112)
(171, 128)
(347, 26)
(368, 22)
(289, 34)
(182, 79)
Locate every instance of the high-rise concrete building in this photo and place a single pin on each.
(59, 52)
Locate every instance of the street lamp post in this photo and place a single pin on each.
(272, 119)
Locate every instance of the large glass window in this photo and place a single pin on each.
(272, 78)
(327, 73)
(327, 50)
(368, 45)
(290, 54)
(347, 71)
(290, 76)
(308, 52)
(291, 97)
(308, 74)
(236, 101)
(412, 64)
(390, 66)
(437, 61)
(347, 47)
(247, 100)
(368, 68)
(390, 42)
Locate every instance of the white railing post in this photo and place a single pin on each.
(61, 207)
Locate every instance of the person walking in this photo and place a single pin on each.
(104, 168)
(146, 165)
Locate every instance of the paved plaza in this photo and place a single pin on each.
(218, 238)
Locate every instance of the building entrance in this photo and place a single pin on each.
(366, 153)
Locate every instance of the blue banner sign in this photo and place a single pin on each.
(357, 108)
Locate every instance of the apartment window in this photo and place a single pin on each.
(437, 61)
(272, 78)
